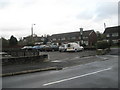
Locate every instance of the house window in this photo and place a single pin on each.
(68, 38)
(42, 39)
(107, 35)
(63, 38)
(115, 41)
(114, 34)
(79, 37)
(73, 37)
(54, 39)
(85, 37)
(59, 39)
(86, 42)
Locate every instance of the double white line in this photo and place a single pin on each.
(76, 77)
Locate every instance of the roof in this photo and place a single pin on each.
(71, 34)
(112, 30)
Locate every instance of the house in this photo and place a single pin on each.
(88, 37)
(35, 39)
(112, 35)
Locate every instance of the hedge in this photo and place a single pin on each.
(102, 45)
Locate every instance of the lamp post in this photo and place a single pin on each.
(81, 36)
(32, 31)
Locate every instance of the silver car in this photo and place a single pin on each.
(63, 48)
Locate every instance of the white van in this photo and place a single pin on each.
(74, 47)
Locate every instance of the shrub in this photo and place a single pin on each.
(102, 45)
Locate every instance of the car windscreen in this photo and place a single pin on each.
(68, 45)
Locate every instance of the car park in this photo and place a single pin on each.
(74, 47)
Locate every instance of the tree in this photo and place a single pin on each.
(45, 40)
(20, 42)
(13, 41)
(4, 42)
(100, 36)
(102, 45)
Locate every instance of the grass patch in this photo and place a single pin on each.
(115, 47)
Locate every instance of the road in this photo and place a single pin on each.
(98, 74)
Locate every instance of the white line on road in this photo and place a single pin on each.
(76, 77)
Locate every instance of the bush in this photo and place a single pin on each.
(102, 45)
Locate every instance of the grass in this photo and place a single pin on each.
(115, 46)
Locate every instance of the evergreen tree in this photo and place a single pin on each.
(100, 36)
(13, 41)
(4, 42)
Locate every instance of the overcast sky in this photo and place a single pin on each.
(55, 16)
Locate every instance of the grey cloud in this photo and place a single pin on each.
(4, 3)
(25, 3)
(103, 10)
(85, 15)
(13, 29)
(106, 10)
(29, 2)
(119, 13)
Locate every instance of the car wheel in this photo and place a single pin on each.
(75, 50)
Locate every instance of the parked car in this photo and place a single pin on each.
(36, 47)
(42, 47)
(4, 54)
(63, 48)
(27, 48)
(54, 48)
(74, 47)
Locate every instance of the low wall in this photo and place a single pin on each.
(20, 53)
(103, 51)
(24, 60)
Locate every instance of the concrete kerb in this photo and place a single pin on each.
(30, 71)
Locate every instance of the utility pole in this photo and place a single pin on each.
(32, 32)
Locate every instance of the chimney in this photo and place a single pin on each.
(81, 31)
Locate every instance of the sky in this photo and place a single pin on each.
(55, 16)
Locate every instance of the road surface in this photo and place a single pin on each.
(98, 74)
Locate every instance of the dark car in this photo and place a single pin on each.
(54, 47)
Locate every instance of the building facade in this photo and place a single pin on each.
(34, 40)
(112, 35)
(89, 38)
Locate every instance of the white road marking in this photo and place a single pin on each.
(76, 77)
(56, 61)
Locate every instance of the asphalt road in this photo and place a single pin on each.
(98, 74)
